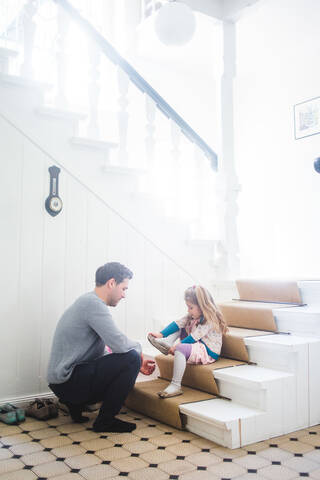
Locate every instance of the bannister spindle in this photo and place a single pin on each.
(29, 28)
(63, 22)
(150, 129)
(123, 116)
(93, 90)
(202, 197)
(176, 163)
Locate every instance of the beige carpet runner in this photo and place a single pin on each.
(144, 399)
(251, 315)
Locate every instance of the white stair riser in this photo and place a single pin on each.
(310, 292)
(278, 357)
(217, 433)
(299, 323)
(314, 384)
(253, 398)
(18, 98)
(233, 434)
(286, 402)
(295, 362)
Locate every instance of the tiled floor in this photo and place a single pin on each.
(61, 450)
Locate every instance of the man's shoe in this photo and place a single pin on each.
(115, 425)
(76, 413)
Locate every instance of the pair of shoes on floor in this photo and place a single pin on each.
(12, 415)
(164, 394)
(159, 343)
(43, 409)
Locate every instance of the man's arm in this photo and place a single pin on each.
(101, 321)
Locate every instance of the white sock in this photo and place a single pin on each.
(179, 367)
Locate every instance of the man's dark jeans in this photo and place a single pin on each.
(108, 379)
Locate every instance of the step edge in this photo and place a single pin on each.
(18, 81)
(91, 143)
(60, 113)
(252, 412)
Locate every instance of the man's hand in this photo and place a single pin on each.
(147, 367)
(171, 350)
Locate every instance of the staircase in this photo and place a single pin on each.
(75, 140)
(275, 388)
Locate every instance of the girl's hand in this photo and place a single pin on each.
(157, 335)
(171, 350)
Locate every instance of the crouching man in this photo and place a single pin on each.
(80, 370)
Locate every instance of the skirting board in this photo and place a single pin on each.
(22, 401)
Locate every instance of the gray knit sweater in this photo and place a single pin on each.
(82, 333)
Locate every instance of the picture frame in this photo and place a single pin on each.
(307, 118)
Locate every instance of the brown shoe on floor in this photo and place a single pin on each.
(38, 409)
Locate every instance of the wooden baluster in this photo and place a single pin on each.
(123, 116)
(29, 28)
(93, 90)
(176, 166)
(63, 23)
(150, 129)
(200, 197)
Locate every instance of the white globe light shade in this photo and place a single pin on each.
(175, 23)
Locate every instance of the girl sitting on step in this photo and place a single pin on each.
(199, 333)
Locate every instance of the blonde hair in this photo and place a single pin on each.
(201, 297)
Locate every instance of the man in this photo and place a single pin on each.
(80, 371)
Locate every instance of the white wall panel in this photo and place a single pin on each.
(47, 262)
(53, 277)
(134, 303)
(97, 238)
(10, 187)
(29, 320)
(76, 233)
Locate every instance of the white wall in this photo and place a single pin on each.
(278, 66)
(47, 262)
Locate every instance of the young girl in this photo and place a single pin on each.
(200, 333)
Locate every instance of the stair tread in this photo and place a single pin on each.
(8, 52)
(60, 113)
(219, 410)
(19, 81)
(285, 340)
(251, 373)
(304, 309)
(92, 143)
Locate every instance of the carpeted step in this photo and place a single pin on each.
(233, 345)
(254, 316)
(144, 399)
(277, 291)
(199, 377)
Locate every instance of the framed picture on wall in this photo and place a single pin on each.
(307, 118)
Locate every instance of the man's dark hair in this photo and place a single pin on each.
(112, 270)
